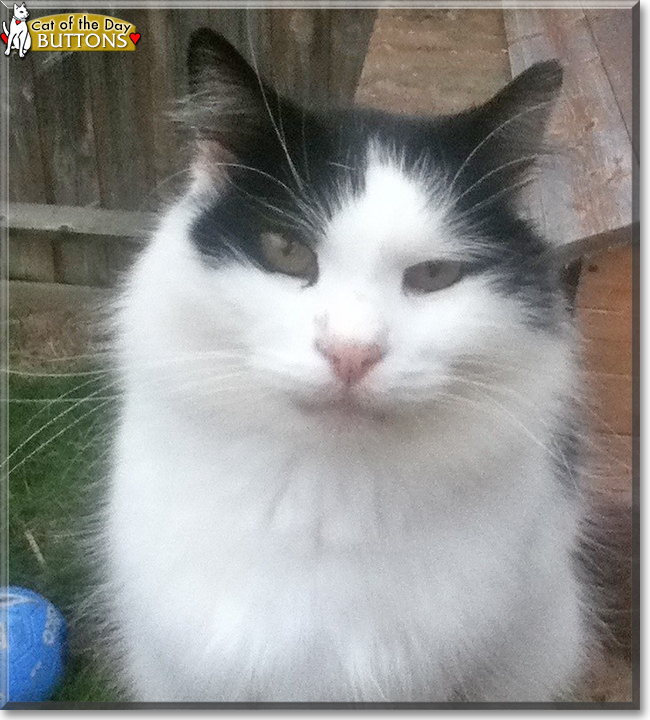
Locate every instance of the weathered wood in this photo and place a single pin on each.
(314, 56)
(116, 82)
(349, 35)
(31, 258)
(587, 188)
(28, 182)
(94, 128)
(82, 221)
(605, 312)
(434, 61)
(612, 31)
(78, 246)
(65, 128)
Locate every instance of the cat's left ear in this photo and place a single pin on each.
(513, 122)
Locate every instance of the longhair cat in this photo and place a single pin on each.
(346, 466)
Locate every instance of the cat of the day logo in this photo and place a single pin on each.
(68, 33)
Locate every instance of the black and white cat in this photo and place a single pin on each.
(346, 467)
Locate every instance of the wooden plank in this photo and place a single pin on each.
(349, 36)
(78, 246)
(607, 282)
(588, 188)
(292, 45)
(604, 305)
(31, 258)
(312, 55)
(64, 125)
(27, 179)
(119, 89)
(72, 258)
(612, 31)
(607, 325)
(610, 357)
(82, 221)
(434, 61)
(80, 262)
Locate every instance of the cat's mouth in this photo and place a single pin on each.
(343, 405)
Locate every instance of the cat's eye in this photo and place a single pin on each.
(289, 256)
(427, 277)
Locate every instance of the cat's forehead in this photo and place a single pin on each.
(399, 211)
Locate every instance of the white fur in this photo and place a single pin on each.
(267, 544)
(18, 36)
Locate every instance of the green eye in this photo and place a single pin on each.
(289, 256)
(430, 276)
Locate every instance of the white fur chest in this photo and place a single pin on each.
(311, 570)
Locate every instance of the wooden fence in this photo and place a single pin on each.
(93, 129)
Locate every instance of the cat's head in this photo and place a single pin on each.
(363, 258)
(21, 12)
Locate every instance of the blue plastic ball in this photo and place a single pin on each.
(33, 634)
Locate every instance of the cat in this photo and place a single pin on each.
(18, 36)
(347, 464)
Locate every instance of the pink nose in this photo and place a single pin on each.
(351, 363)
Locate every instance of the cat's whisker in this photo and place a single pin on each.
(492, 134)
(98, 436)
(62, 397)
(53, 420)
(305, 157)
(515, 421)
(26, 401)
(500, 168)
(49, 441)
(484, 389)
(31, 374)
(282, 140)
(160, 185)
(495, 196)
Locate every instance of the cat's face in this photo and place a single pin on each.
(21, 12)
(364, 260)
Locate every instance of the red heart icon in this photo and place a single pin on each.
(135, 37)
(5, 39)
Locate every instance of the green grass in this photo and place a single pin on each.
(53, 491)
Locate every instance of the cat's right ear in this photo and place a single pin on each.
(227, 102)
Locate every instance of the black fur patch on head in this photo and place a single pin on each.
(289, 166)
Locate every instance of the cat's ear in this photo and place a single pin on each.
(512, 124)
(520, 112)
(503, 139)
(228, 101)
(212, 62)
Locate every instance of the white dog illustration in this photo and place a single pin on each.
(18, 36)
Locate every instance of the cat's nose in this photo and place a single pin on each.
(351, 362)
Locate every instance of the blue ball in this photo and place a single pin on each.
(33, 633)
